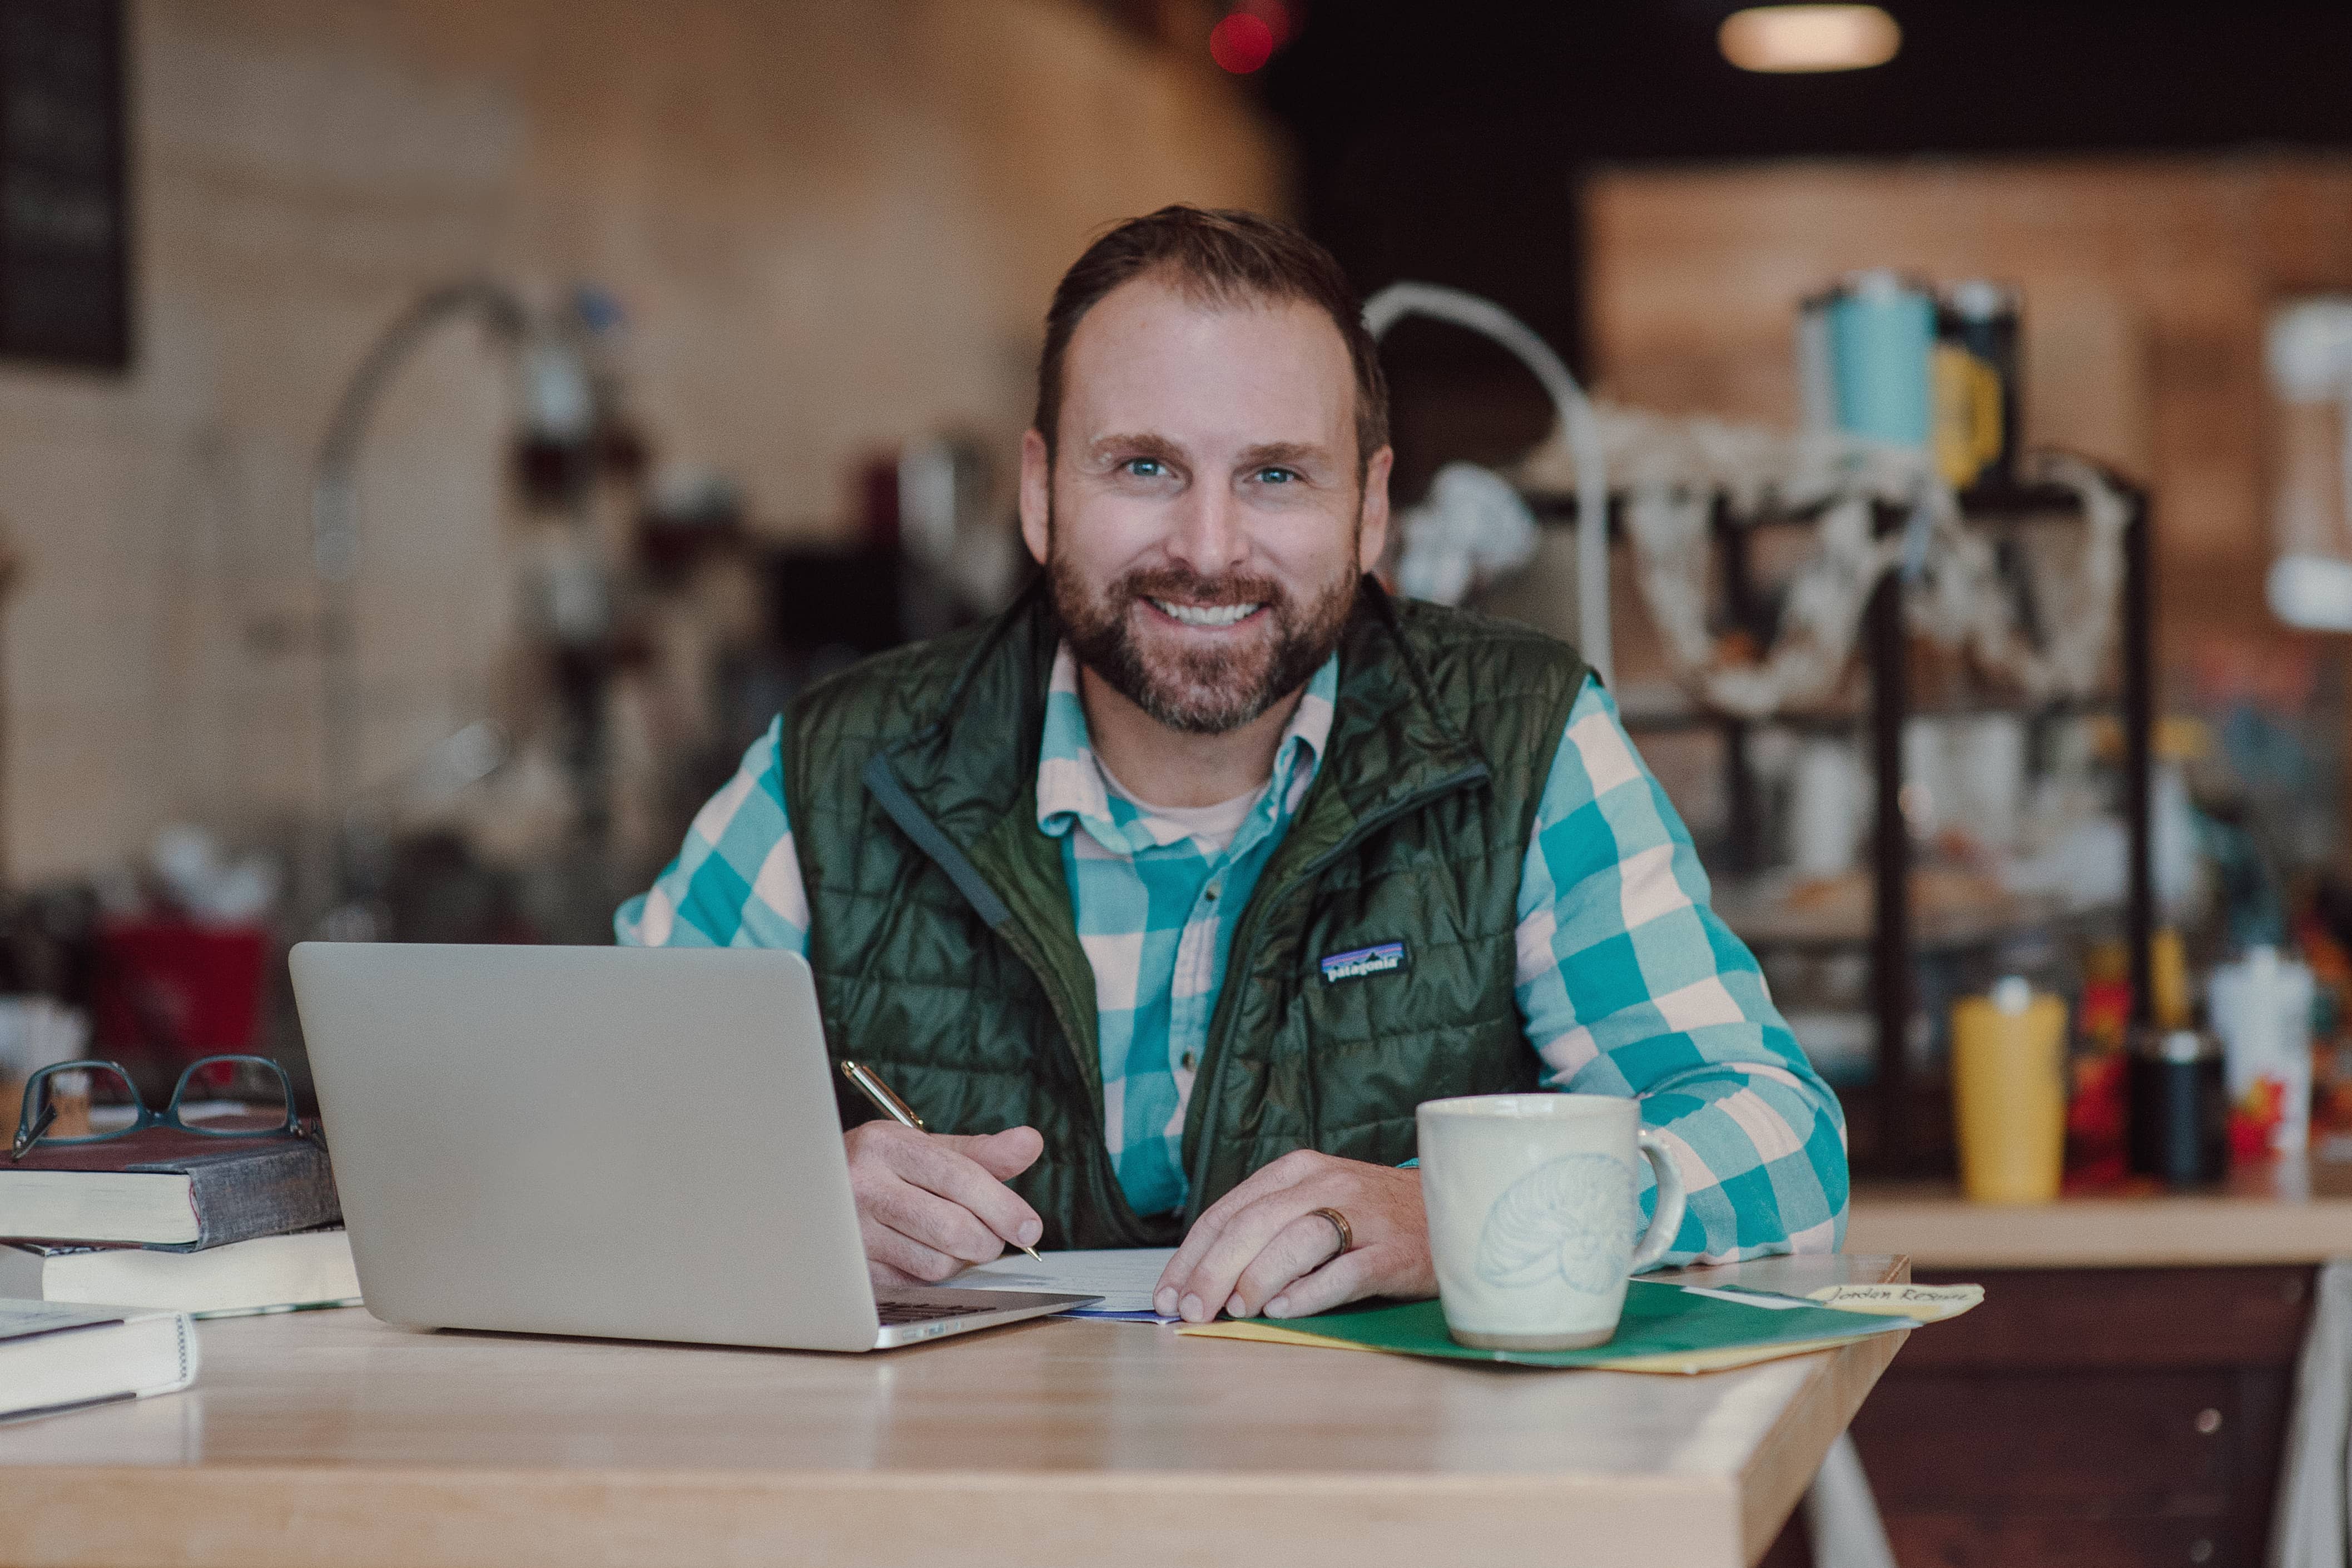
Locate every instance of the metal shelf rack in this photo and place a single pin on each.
(1885, 1132)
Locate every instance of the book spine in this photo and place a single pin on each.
(184, 1336)
(263, 1195)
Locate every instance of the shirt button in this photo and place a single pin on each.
(1190, 1060)
(1212, 894)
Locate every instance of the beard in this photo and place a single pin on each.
(1200, 691)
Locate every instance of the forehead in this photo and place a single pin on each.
(1154, 357)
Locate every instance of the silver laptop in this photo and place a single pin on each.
(628, 1142)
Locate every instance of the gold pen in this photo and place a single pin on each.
(885, 1099)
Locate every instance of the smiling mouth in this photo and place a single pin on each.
(1211, 616)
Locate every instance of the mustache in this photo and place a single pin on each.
(1186, 586)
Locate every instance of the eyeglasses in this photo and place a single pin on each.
(40, 1108)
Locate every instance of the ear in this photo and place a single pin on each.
(1036, 495)
(1373, 531)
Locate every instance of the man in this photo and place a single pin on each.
(1176, 887)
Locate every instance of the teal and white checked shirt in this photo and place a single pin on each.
(1628, 982)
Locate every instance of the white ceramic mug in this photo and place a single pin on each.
(1535, 1217)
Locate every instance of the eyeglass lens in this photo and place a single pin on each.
(233, 1095)
(89, 1101)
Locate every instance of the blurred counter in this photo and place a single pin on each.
(2123, 1396)
(2286, 1211)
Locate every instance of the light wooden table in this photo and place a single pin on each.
(326, 1438)
(2296, 1210)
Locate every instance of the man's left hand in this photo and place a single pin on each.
(1263, 1249)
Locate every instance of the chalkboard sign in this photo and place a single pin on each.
(65, 219)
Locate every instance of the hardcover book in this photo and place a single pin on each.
(55, 1358)
(167, 1188)
(267, 1274)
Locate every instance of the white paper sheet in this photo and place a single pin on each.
(1122, 1276)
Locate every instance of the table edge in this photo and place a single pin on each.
(280, 1516)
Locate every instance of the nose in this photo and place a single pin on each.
(1210, 536)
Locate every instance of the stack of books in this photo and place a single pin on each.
(161, 1226)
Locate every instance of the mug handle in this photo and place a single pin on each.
(1667, 1219)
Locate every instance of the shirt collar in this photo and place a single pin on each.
(1070, 790)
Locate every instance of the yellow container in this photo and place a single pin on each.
(2169, 979)
(2009, 1093)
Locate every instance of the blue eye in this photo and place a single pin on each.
(1145, 467)
(1276, 475)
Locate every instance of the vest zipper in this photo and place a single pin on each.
(1238, 963)
(969, 880)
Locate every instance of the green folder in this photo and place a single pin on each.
(1660, 1319)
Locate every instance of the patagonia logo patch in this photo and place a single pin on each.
(1354, 965)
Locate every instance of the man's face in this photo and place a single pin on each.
(1201, 523)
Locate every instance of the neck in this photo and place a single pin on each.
(1180, 769)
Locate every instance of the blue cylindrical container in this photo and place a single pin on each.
(1882, 347)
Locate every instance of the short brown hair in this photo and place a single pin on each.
(1224, 256)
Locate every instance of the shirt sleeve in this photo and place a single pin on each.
(1630, 984)
(736, 881)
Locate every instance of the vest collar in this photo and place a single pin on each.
(1072, 796)
(1389, 739)
(1391, 742)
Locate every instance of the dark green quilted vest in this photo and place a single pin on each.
(946, 953)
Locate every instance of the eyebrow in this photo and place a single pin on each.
(1140, 445)
(1274, 453)
(1264, 454)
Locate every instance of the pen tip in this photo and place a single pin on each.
(1032, 1253)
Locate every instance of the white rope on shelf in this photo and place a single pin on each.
(1978, 616)
(1670, 472)
(1473, 527)
(1673, 470)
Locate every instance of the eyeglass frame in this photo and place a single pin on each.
(30, 1132)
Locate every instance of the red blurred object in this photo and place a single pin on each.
(1241, 43)
(1276, 15)
(2254, 1119)
(2105, 1016)
(2096, 1115)
(178, 989)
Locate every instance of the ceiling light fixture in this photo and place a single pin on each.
(1808, 37)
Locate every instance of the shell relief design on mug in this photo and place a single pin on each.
(1572, 1218)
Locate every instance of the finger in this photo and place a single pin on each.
(935, 1222)
(935, 1164)
(1004, 1155)
(1207, 1230)
(1298, 1248)
(883, 1276)
(1347, 1278)
(898, 1250)
(1204, 1293)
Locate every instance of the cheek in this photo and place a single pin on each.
(1309, 556)
(1103, 536)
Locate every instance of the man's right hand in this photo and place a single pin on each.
(930, 1205)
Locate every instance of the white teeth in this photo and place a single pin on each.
(1206, 614)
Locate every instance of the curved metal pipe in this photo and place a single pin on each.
(335, 539)
(1398, 300)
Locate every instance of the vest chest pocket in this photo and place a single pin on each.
(1351, 990)
(1364, 1098)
